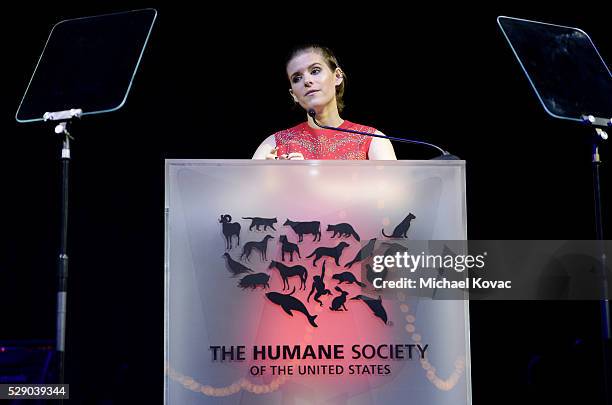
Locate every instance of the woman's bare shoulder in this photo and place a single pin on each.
(381, 149)
(265, 148)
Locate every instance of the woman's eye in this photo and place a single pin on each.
(315, 71)
(296, 79)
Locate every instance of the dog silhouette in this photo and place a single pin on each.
(288, 247)
(262, 246)
(334, 252)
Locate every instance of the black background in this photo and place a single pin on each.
(212, 85)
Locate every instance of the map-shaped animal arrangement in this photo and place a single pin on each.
(301, 264)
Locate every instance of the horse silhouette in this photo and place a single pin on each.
(290, 271)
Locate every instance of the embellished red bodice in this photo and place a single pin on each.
(325, 144)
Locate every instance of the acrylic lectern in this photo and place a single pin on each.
(267, 294)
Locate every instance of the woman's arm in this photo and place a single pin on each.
(267, 149)
(381, 149)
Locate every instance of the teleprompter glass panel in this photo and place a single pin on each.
(563, 66)
(87, 63)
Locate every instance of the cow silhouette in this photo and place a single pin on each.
(305, 228)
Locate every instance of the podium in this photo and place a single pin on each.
(242, 329)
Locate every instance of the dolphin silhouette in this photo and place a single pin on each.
(289, 303)
(375, 305)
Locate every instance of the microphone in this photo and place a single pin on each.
(444, 156)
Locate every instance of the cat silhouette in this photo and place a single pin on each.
(401, 231)
(265, 222)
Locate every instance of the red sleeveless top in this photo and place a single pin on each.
(325, 144)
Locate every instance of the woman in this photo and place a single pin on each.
(317, 83)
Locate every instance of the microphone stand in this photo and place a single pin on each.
(444, 156)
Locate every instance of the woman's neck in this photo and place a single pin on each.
(328, 117)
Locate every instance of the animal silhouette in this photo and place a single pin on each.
(339, 301)
(371, 274)
(286, 272)
(401, 231)
(394, 248)
(230, 229)
(254, 280)
(319, 285)
(334, 252)
(262, 246)
(347, 277)
(304, 228)
(288, 247)
(235, 267)
(265, 222)
(375, 305)
(343, 230)
(289, 303)
(363, 254)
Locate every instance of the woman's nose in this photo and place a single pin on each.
(307, 81)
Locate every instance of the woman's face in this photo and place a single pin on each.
(313, 83)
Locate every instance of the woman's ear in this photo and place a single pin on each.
(295, 100)
(339, 76)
